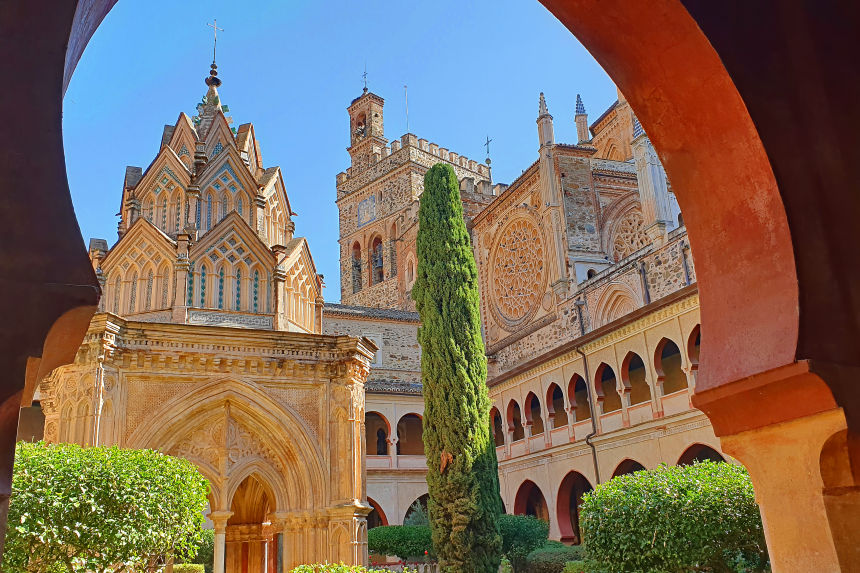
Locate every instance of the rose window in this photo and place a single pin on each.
(518, 271)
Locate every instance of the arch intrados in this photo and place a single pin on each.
(658, 354)
(575, 380)
(550, 409)
(530, 398)
(404, 416)
(565, 489)
(692, 351)
(384, 419)
(266, 475)
(598, 378)
(523, 493)
(382, 517)
(626, 466)
(512, 406)
(625, 367)
(693, 450)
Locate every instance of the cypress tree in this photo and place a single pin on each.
(462, 474)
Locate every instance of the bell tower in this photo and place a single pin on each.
(366, 135)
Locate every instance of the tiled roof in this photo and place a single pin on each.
(393, 386)
(368, 312)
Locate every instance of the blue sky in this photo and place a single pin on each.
(474, 68)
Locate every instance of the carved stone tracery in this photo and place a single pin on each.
(629, 235)
(518, 271)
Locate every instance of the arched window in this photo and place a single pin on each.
(356, 267)
(208, 212)
(132, 299)
(377, 270)
(239, 207)
(256, 290)
(591, 273)
(222, 208)
(197, 215)
(177, 214)
(533, 417)
(530, 501)
(667, 360)
(555, 406)
(607, 389)
(633, 378)
(190, 295)
(238, 289)
(221, 289)
(165, 286)
(66, 421)
(149, 282)
(116, 291)
(496, 427)
(376, 433)
(164, 213)
(515, 421)
(147, 209)
(410, 436)
(578, 393)
(203, 287)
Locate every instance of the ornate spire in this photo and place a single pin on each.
(212, 80)
(542, 109)
(580, 107)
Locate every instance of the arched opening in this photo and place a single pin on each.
(699, 453)
(555, 406)
(633, 378)
(607, 389)
(515, 421)
(376, 517)
(496, 427)
(578, 393)
(530, 501)
(693, 344)
(417, 512)
(356, 267)
(376, 431)
(533, 417)
(627, 466)
(377, 270)
(410, 436)
(248, 536)
(591, 273)
(667, 363)
(570, 492)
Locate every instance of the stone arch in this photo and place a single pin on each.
(627, 466)
(423, 500)
(699, 453)
(266, 475)
(613, 151)
(531, 501)
(377, 516)
(67, 433)
(616, 301)
(163, 298)
(570, 492)
(606, 387)
(356, 267)
(577, 393)
(515, 421)
(668, 363)
(410, 270)
(410, 435)
(81, 416)
(693, 345)
(376, 259)
(555, 407)
(533, 414)
(286, 440)
(496, 427)
(634, 378)
(374, 423)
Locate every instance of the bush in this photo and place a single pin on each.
(552, 557)
(206, 550)
(520, 536)
(678, 518)
(408, 542)
(187, 568)
(101, 509)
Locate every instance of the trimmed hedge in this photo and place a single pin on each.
(520, 536)
(675, 518)
(408, 542)
(187, 568)
(552, 557)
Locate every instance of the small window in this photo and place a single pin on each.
(591, 273)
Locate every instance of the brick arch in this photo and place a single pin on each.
(577, 393)
(669, 366)
(532, 414)
(496, 427)
(530, 500)
(693, 343)
(555, 407)
(570, 492)
(378, 509)
(637, 385)
(606, 388)
(514, 418)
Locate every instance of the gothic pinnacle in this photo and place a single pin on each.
(542, 110)
(580, 107)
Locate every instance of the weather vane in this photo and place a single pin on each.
(215, 29)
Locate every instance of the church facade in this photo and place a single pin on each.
(589, 310)
(208, 346)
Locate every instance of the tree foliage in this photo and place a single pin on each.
(701, 517)
(521, 535)
(462, 475)
(101, 509)
(408, 542)
(552, 557)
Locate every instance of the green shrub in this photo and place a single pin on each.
(187, 568)
(505, 566)
(583, 566)
(552, 557)
(417, 514)
(408, 542)
(206, 550)
(520, 536)
(678, 518)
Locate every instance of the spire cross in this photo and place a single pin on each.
(215, 29)
(487, 145)
(364, 76)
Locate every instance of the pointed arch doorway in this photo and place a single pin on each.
(251, 540)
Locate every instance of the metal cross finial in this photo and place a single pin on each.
(215, 29)
(487, 145)
(364, 75)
